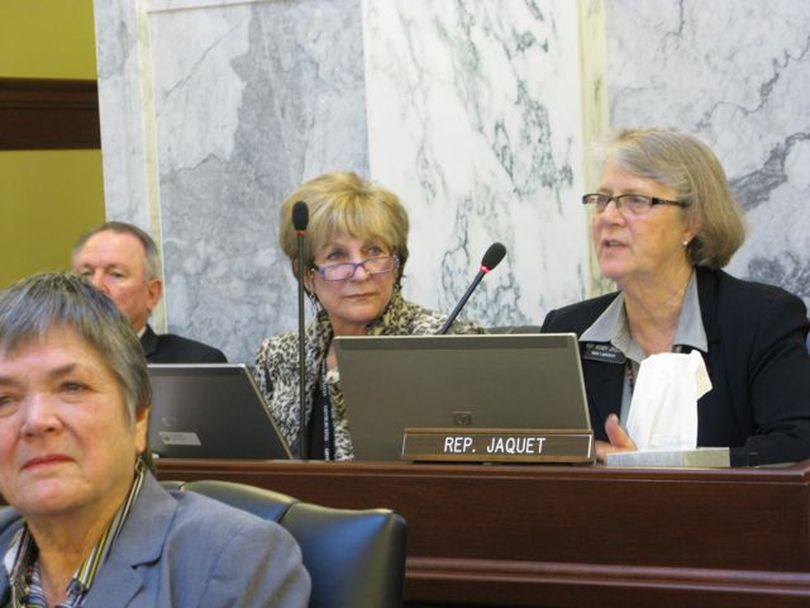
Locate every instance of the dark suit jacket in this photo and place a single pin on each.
(183, 549)
(759, 404)
(168, 348)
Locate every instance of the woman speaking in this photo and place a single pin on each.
(664, 224)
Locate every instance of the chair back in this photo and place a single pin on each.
(354, 557)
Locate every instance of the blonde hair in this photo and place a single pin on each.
(343, 203)
(688, 166)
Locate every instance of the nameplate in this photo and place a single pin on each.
(604, 353)
(497, 445)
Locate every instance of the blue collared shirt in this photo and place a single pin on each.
(612, 327)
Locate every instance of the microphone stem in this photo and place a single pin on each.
(302, 390)
(462, 302)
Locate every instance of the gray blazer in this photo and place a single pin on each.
(178, 550)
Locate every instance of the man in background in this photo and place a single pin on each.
(121, 261)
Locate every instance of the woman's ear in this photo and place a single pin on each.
(692, 230)
(308, 286)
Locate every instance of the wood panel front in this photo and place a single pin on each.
(567, 535)
(48, 114)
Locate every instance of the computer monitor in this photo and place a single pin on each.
(504, 381)
(210, 411)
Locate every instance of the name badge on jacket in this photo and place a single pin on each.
(604, 352)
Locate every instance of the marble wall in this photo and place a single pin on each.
(473, 112)
(464, 109)
(476, 112)
(737, 74)
(245, 100)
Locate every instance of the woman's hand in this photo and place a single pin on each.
(620, 441)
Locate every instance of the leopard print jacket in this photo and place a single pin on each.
(277, 366)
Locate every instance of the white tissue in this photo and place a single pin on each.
(663, 411)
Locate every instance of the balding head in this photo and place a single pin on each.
(120, 260)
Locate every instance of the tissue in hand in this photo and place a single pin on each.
(663, 410)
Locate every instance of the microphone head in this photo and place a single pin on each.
(300, 216)
(493, 256)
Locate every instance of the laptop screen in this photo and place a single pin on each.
(484, 381)
(210, 411)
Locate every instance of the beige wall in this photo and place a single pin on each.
(46, 197)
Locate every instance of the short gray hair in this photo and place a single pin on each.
(688, 166)
(30, 308)
(152, 257)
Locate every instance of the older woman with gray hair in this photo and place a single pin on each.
(354, 258)
(664, 224)
(88, 524)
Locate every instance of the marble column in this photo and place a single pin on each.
(245, 100)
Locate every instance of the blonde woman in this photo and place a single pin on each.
(354, 257)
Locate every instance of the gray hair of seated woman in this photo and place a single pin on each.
(32, 307)
(685, 164)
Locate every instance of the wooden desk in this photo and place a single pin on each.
(571, 536)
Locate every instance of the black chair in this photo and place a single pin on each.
(355, 558)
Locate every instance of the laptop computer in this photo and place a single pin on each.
(508, 381)
(210, 411)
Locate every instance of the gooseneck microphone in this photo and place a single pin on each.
(300, 219)
(492, 257)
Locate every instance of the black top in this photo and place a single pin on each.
(168, 348)
(319, 419)
(759, 405)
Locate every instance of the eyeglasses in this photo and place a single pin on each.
(634, 204)
(345, 271)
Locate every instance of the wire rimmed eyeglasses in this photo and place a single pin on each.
(637, 204)
(346, 270)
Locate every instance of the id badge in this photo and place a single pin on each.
(603, 352)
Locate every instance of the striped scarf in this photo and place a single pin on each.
(21, 563)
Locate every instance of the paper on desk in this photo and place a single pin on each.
(663, 410)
